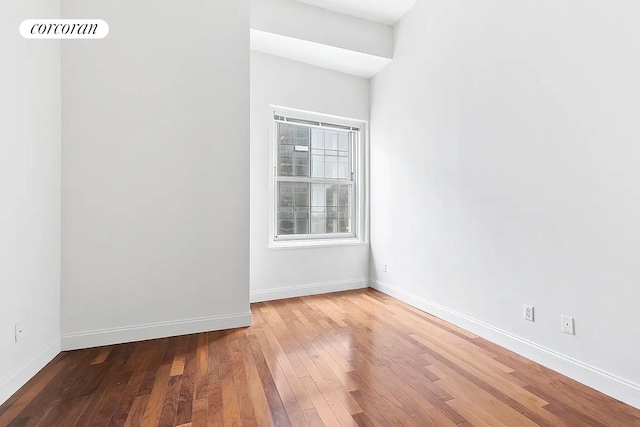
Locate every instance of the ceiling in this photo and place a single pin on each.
(384, 11)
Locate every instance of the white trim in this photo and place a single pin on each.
(319, 243)
(305, 290)
(605, 382)
(297, 113)
(23, 373)
(150, 331)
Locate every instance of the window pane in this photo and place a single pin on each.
(293, 161)
(317, 197)
(332, 222)
(285, 208)
(332, 195)
(317, 138)
(343, 223)
(302, 132)
(318, 216)
(293, 208)
(331, 140)
(343, 167)
(302, 136)
(318, 223)
(343, 142)
(343, 196)
(317, 166)
(313, 208)
(286, 134)
(285, 226)
(286, 160)
(302, 195)
(301, 163)
(285, 195)
(331, 167)
(302, 223)
(344, 209)
(329, 156)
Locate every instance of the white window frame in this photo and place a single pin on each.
(359, 196)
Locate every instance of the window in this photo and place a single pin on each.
(315, 188)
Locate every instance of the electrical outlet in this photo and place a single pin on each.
(18, 332)
(385, 268)
(568, 326)
(528, 313)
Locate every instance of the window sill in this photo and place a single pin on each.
(311, 244)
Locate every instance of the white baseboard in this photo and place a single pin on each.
(23, 373)
(305, 290)
(605, 382)
(150, 331)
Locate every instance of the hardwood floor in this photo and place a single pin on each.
(352, 358)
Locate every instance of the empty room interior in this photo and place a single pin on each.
(319, 213)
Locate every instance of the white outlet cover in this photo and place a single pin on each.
(529, 313)
(19, 332)
(568, 326)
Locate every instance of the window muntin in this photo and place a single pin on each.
(315, 180)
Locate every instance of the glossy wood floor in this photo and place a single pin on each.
(353, 358)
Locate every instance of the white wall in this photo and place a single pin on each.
(505, 172)
(156, 171)
(278, 273)
(30, 189)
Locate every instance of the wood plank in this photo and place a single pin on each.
(170, 402)
(257, 394)
(230, 406)
(156, 398)
(274, 400)
(294, 413)
(138, 362)
(177, 366)
(312, 418)
(292, 378)
(319, 403)
(118, 420)
(214, 393)
(102, 356)
(202, 368)
(245, 404)
(200, 408)
(187, 384)
(136, 414)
